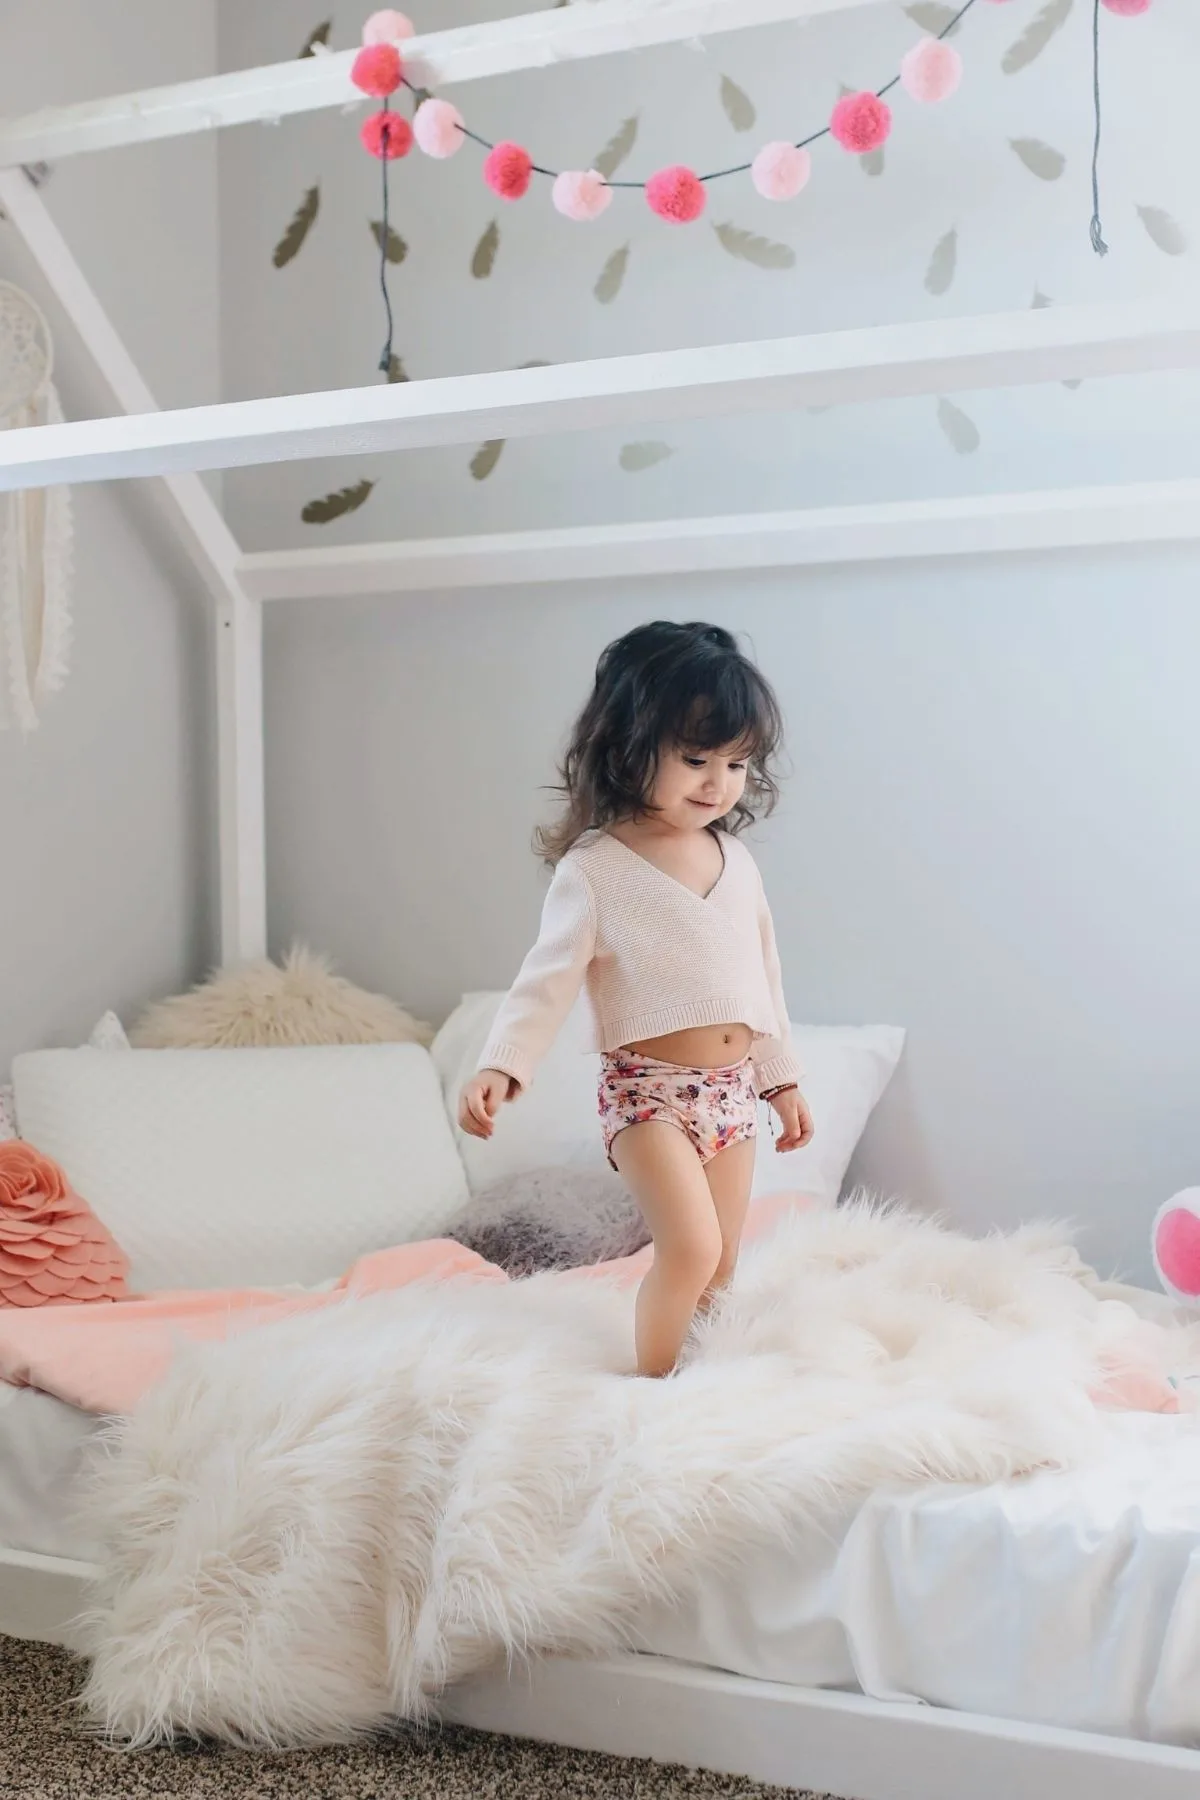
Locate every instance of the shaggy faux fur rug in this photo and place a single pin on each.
(47, 1753)
(316, 1533)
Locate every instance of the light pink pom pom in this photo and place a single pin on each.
(438, 128)
(377, 70)
(1127, 9)
(931, 71)
(676, 194)
(387, 28)
(861, 122)
(779, 171)
(508, 170)
(581, 194)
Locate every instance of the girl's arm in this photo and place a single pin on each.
(550, 979)
(773, 1059)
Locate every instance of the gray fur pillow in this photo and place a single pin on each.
(558, 1218)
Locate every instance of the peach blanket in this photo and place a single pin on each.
(103, 1357)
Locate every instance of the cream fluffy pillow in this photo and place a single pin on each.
(263, 1006)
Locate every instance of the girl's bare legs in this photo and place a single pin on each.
(668, 1182)
(730, 1176)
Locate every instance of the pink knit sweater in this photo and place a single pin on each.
(655, 956)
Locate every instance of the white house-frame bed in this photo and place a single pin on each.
(805, 1738)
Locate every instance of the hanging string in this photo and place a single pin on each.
(1097, 232)
(385, 358)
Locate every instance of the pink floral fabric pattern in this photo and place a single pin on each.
(712, 1107)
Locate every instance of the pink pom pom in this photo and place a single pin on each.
(676, 194)
(931, 71)
(377, 70)
(779, 171)
(508, 170)
(438, 128)
(581, 194)
(1127, 9)
(386, 134)
(387, 28)
(861, 122)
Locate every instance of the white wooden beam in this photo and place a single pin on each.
(884, 362)
(436, 59)
(193, 518)
(1066, 518)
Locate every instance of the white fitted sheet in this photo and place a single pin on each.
(1066, 1599)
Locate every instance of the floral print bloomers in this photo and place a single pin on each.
(712, 1107)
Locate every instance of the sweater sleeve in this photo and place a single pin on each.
(773, 1059)
(550, 979)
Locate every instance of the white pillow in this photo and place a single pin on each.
(215, 1168)
(555, 1122)
(108, 1033)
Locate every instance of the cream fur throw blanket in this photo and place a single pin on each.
(317, 1536)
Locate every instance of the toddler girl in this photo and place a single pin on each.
(659, 909)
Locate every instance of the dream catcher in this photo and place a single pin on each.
(35, 527)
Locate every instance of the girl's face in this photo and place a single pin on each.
(695, 788)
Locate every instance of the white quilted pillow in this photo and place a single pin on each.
(217, 1168)
(107, 1034)
(555, 1123)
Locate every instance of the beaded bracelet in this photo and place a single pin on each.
(785, 1087)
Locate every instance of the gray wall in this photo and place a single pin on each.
(106, 811)
(989, 837)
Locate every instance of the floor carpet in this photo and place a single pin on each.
(46, 1755)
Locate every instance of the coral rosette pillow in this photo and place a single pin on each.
(53, 1248)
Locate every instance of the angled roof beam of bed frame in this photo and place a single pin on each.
(977, 524)
(436, 59)
(194, 519)
(878, 363)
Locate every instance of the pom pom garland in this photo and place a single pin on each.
(438, 128)
(387, 27)
(581, 194)
(931, 71)
(377, 70)
(861, 123)
(676, 194)
(386, 135)
(508, 170)
(1126, 9)
(779, 171)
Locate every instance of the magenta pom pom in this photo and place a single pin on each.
(386, 134)
(676, 194)
(861, 122)
(581, 194)
(1127, 9)
(387, 27)
(377, 70)
(931, 71)
(438, 128)
(508, 170)
(779, 171)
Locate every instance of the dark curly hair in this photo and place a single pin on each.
(659, 687)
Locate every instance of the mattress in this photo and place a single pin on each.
(1068, 1599)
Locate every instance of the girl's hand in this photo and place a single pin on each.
(482, 1099)
(795, 1118)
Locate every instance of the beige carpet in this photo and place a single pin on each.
(46, 1755)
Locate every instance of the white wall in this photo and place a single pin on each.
(989, 837)
(106, 811)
